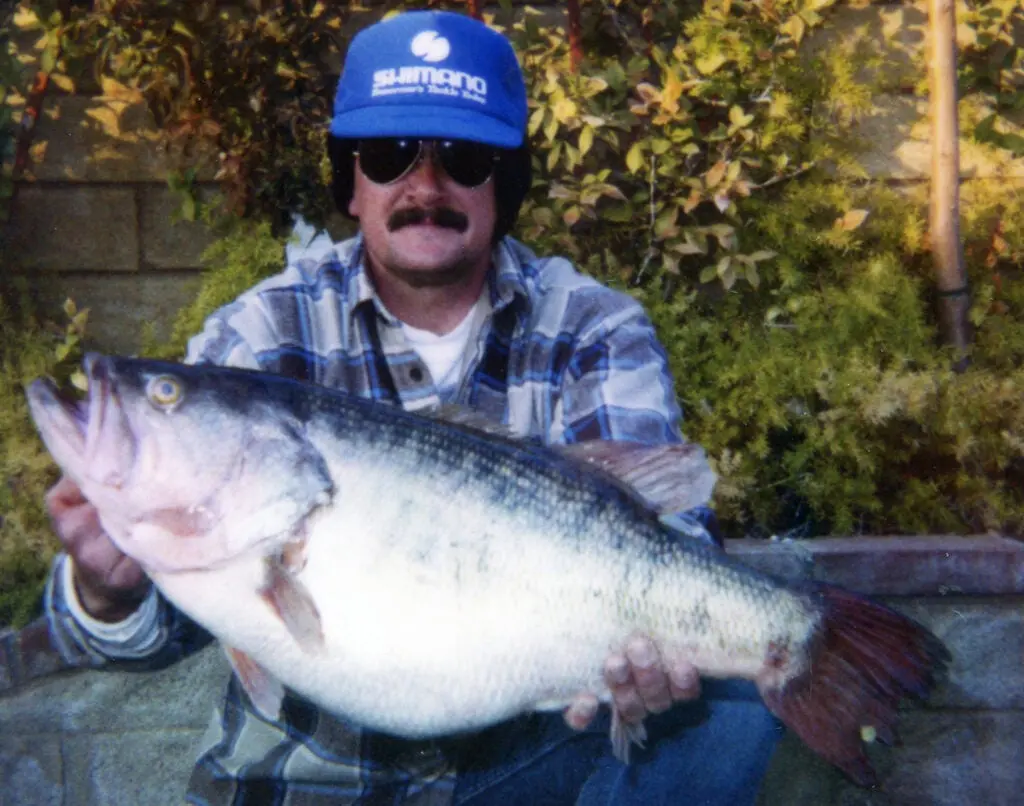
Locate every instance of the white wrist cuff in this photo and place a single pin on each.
(138, 625)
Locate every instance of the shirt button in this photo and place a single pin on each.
(416, 374)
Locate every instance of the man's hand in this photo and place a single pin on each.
(640, 684)
(110, 585)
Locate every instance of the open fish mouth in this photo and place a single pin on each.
(65, 420)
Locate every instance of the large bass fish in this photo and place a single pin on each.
(423, 577)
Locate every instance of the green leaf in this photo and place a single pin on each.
(665, 223)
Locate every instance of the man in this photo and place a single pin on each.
(432, 303)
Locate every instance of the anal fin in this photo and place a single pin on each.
(264, 690)
(624, 735)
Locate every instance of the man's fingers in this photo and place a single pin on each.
(617, 671)
(684, 681)
(581, 711)
(63, 495)
(651, 681)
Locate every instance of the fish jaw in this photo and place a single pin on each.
(61, 424)
(161, 494)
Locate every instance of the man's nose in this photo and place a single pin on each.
(427, 173)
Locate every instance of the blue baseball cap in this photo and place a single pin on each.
(433, 74)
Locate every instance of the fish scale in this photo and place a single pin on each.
(428, 575)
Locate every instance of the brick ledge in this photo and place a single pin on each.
(937, 565)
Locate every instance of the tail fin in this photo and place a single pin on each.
(863, 661)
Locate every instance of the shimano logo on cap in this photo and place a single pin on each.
(420, 79)
(430, 46)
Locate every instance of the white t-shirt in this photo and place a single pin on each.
(447, 356)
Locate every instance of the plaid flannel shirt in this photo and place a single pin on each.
(560, 358)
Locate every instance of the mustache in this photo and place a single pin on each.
(440, 216)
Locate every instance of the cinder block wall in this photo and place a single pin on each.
(94, 219)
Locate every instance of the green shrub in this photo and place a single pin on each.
(29, 349)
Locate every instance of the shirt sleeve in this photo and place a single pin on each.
(617, 385)
(152, 637)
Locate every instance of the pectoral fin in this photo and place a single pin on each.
(264, 691)
(290, 600)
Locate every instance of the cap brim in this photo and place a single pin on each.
(409, 120)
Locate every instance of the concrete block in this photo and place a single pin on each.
(181, 697)
(73, 228)
(107, 138)
(894, 31)
(31, 770)
(131, 768)
(121, 306)
(898, 141)
(947, 759)
(929, 565)
(986, 639)
(168, 243)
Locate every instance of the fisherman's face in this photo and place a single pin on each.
(423, 228)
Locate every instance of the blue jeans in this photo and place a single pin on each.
(712, 751)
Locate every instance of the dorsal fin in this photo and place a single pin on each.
(670, 478)
(471, 418)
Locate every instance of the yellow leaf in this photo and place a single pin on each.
(63, 82)
(115, 89)
(852, 220)
(571, 216)
(536, 119)
(738, 118)
(586, 140)
(564, 110)
(795, 27)
(107, 118)
(635, 158)
(613, 192)
(558, 191)
(648, 92)
(717, 172)
(671, 92)
(551, 128)
(710, 63)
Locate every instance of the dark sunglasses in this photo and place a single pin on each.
(387, 159)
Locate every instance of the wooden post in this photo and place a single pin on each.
(575, 34)
(944, 219)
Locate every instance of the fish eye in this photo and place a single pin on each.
(164, 391)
